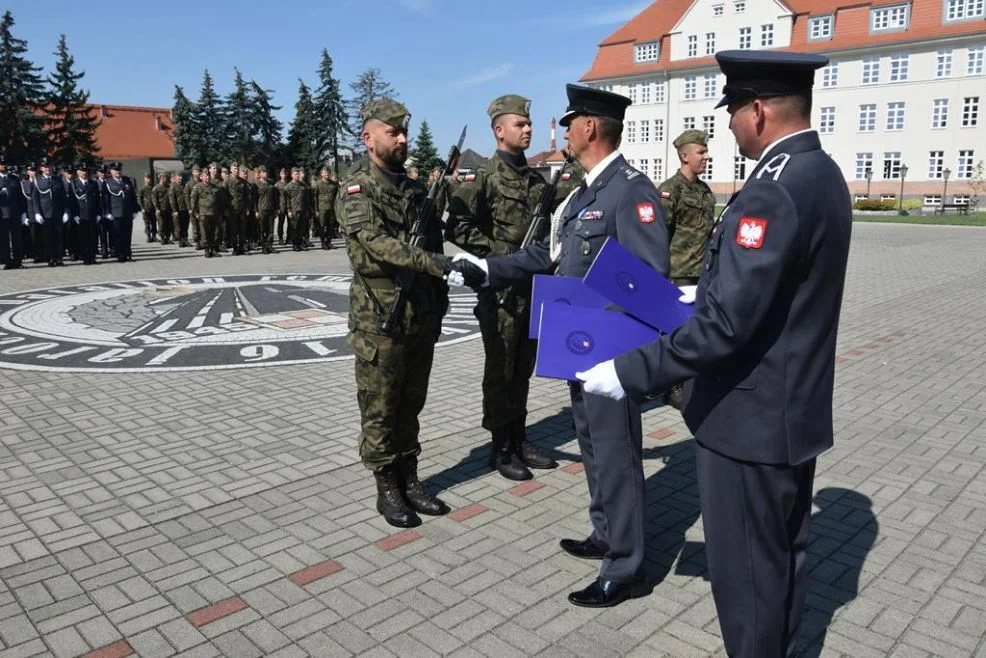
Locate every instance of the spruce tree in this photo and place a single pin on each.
(22, 136)
(370, 86)
(239, 129)
(304, 132)
(330, 112)
(210, 121)
(70, 122)
(266, 127)
(188, 143)
(425, 154)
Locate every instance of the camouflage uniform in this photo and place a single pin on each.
(207, 205)
(571, 179)
(238, 205)
(145, 199)
(325, 196)
(267, 205)
(282, 213)
(194, 182)
(162, 208)
(179, 210)
(297, 201)
(688, 210)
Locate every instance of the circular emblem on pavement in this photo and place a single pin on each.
(627, 282)
(579, 342)
(204, 323)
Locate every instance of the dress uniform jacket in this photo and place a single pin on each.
(761, 345)
(49, 197)
(119, 198)
(11, 201)
(87, 205)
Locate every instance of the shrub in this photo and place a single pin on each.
(875, 204)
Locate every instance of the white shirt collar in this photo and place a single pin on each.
(778, 141)
(593, 174)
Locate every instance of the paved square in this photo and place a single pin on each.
(224, 512)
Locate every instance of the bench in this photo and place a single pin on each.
(960, 208)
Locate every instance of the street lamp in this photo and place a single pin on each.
(944, 191)
(900, 202)
(869, 179)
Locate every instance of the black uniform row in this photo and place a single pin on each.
(45, 216)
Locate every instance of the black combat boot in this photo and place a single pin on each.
(390, 500)
(504, 458)
(415, 493)
(530, 454)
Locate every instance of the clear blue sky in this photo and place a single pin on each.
(446, 58)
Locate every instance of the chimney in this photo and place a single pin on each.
(554, 145)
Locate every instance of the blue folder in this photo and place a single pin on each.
(630, 283)
(569, 290)
(573, 339)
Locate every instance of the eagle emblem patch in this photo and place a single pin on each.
(646, 213)
(751, 232)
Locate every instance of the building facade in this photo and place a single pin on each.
(904, 93)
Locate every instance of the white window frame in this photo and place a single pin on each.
(890, 18)
(767, 35)
(658, 130)
(707, 174)
(864, 161)
(739, 6)
(658, 169)
(891, 165)
(631, 132)
(688, 123)
(960, 199)
(693, 45)
(974, 60)
(739, 167)
(963, 10)
(867, 118)
(646, 52)
(746, 35)
(660, 92)
(939, 113)
(710, 43)
(820, 28)
(691, 87)
(709, 87)
(645, 93)
(826, 123)
(871, 70)
(931, 200)
(830, 75)
(718, 10)
(936, 165)
(970, 111)
(895, 115)
(644, 131)
(888, 197)
(899, 65)
(709, 125)
(943, 66)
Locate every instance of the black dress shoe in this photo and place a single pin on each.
(585, 549)
(606, 593)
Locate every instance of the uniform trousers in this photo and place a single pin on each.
(123, 229)
(52, 232)
(756, 520)
(11, 242)
(86, 240)
(266, 225)
(611, 440)
(509, 363)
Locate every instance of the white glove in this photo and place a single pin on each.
(601, 379)
(64, 218)
(109, 216)
(457, 279)
(687, 294)
(77, 219)
(24, 219)
(38, 218)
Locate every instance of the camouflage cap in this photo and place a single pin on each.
(387, 110)
(691, 137)
(509, 104)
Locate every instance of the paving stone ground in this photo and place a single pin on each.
(224, 513)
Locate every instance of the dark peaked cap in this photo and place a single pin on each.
(762, 74)
(593, 102)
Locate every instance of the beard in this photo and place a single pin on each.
(394, 158)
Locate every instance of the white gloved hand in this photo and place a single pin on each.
(64, 218)
(457, 279)
(687, 294)
(24, 219)
(109, 216)
(38, 218)
(77, 219)
(601, 379)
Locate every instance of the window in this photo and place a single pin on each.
(632, 162)
(707, 174)
(644, 166)
(895, 115)
(709, 125)
(645, 93)
(871, 70)
(898, 68)
(710, 43)
(860, 197)
(693, 46)
(939, 113)
(820, 27)
(932, 199)
(888, 197)
(974, 65)
(830, 75)
(631, 132)
(691, 86)
(659, 130)
(659, 92)
(864, 163)
(936, 164)
(970, 111)
(891, 164)
(645, 52)
(739, 6)
(958, 10)
(889, 18)
(717, 10)
(710, 87)
(867, 118)
(644, 132)
(657, 169)
(767, 35)
(827, 125)
(746, 38)
(960, 199)
(944, 68)
(688, 123)
(739, 167)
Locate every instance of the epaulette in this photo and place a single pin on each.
(630, 173)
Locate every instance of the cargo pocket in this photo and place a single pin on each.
(364, 347)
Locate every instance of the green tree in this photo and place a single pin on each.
(370, 86)
(22, 134)
(266, 128)
(303, 136)
(209, 116)
(188, 143)
(425, 154)
(70, 122)
(330, 112)
(239, 116)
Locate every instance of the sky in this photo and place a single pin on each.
(447, 59)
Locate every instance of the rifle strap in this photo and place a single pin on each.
(556, 224)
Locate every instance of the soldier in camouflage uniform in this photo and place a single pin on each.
(489, 215)
(193, 182)
(267, 205)
(689, 206)
(238, 197)
(376, 206)
(162, 207)
(326, 191)
(572, 177)
(207, 207)
(297, 205)
(282, 215)
(145, 200)
(179, 209)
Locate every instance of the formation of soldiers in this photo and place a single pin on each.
(77, 212)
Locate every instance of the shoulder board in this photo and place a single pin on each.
(775, 166)
(630, 173)
(354, 189)
(469, 178)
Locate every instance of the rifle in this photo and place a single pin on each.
(421, 230)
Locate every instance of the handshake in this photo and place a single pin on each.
(467, 270)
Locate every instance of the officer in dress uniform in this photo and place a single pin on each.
(50, 212)
(759, 352)
(11, 214)
(87, 206)
(616, 201)
(120, 207)
(105, 228)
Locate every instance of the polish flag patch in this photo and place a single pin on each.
(566, 176)
(646, 213)
(469, 178)
(354, 189)
(665, 195)
(751, 232)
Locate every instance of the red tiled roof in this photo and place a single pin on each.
(545, 157)
(130, 133)
(615, 55)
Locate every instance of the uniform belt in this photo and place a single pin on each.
(379, 283)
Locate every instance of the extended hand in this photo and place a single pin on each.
(601, 379)
(687, 294)
(467, 270)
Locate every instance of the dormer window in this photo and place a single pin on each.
(646, 52)
(885, 19)
(820, 28)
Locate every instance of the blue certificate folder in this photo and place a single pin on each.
(573, 339)
(630, 283)
(569, 290)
